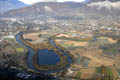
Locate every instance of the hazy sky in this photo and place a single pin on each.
(34, 1)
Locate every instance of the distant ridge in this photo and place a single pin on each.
(103, 0)
(66, 11)
(6, 5)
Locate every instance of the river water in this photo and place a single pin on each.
(44, 56)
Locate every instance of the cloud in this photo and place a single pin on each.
(71, 0)
(35, 1)
(105, 4)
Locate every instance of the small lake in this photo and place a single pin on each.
(48, 57)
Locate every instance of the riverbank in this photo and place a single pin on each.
(62, 64)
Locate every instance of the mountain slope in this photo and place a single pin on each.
(67, 10)
(45, 8)
(103, 0)
(6, 5)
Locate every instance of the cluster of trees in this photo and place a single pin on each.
(64, 50)
(76, 38)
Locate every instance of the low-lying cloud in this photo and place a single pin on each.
(105, 4)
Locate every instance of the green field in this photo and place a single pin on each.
(99, 43)
(78, 75)
(99, 70)
(20, 50)
(44, 35)
(110, 50)
(107, 70)
(68, 45)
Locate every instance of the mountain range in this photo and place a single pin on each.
(65, 9)
(6, 5)
(103, 0)
(91, 11)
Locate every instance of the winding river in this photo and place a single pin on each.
(45, 56)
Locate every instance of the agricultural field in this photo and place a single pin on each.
(33, 36)
(90, 52)
(37, 38)
(97, 73)
(87, 47)
(104, 70)
(86, 73)
(69, 43)
(37, 35)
